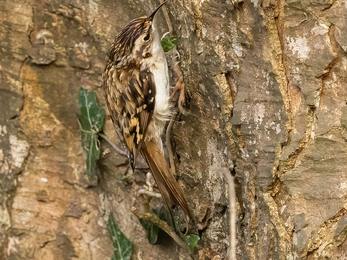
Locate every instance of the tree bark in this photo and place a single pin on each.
(268, 91)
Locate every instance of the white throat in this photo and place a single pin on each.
(163, 109)
(158, 66)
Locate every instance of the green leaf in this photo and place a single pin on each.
(153, 234)
(123, 178)
(169, 44)
(176, 220)
(92, 117)
(165, 215)
(152, 230)
(121, 245)
(91, 120)
(192, 240)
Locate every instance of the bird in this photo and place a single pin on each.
(136, 89)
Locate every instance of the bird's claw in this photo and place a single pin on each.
(164, 35)
(150, 181)
(178, 96)
(148, 188)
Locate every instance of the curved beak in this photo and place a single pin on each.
(151, 17)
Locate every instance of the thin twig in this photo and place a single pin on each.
(120, 151)
(161, 224)
(232, 209)
(166, 15)
(150, 193)
(169, 147)
(145, 203)
(179, 74)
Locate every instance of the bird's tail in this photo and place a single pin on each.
(170, 191)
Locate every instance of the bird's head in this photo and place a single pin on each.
(136, 40)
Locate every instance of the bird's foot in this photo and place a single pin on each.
(115, 147)
(150, 181)
(148, 188)
(178, 96)
(164, 35)
(147, 193)
(150, 193)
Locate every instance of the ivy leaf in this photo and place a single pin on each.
(152, 230)
(165, 215)
(176, 223)
(169, 44)
(91, 120)
(121, 245)
(192, 240)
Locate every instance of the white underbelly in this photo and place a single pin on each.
(163, 109)
(161, 78)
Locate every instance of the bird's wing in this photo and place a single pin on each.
(133, 107)
(131, 102)
(171, 192)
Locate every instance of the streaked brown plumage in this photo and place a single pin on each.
(137, 96)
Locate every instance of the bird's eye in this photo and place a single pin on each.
(146, 39)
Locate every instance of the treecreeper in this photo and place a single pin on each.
(136, 86)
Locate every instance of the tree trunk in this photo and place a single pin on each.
(268, 91)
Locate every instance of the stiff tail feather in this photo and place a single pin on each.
(170, 191)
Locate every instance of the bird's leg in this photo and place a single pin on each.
(147, 192)
(148, 188)
(150, 181)
(178, 96)
(169, 147)
(115, 147)
(176, 93)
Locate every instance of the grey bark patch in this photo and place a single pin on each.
(341, 225)
(67, 248)
(43, 54)
(78, 58)
(343, 118)
(299, 221)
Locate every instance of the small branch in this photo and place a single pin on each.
(166, 15)
(169, 147)
(118, 150)
(232, 209)
(179, 74)
(150, 181)
(145, 203)
(150, 193)
(161, 224)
